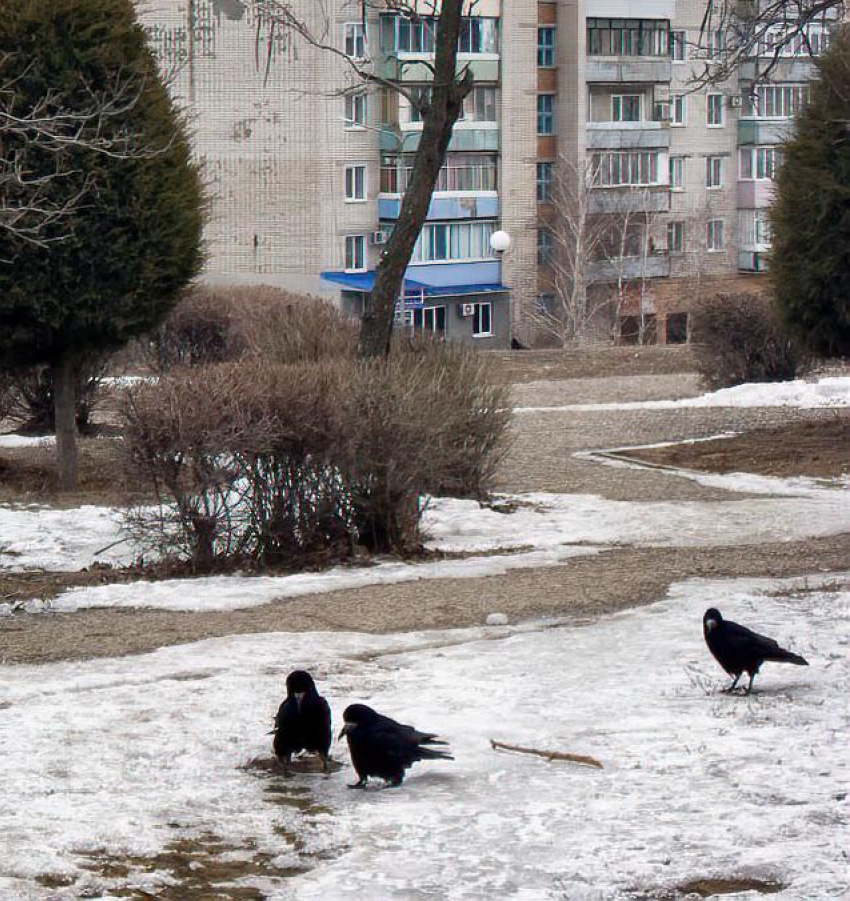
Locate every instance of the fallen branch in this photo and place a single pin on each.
(548, 755)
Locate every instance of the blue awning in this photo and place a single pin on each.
(364, 281)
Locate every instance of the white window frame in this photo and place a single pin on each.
(677, 167)
(714, 104)
(678, 45)
(356, 188)
(676, 227)
(476, 319)
(758, 158)
(354, 39)
(355, 110)
(715, 228)
(351, 253)
(617, 107)
(713, 173)
(679, 104)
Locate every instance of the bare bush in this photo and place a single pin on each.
(26, 396)
(290, 465)
(219, 325)
(739, 338)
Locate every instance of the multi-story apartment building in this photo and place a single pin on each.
(308, 166)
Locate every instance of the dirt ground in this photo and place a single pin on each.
(774, 442)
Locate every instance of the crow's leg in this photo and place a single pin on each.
(750, 686)
(326, 762)
(285, 760)
(395, 782)
(360, 784)
(731, 688)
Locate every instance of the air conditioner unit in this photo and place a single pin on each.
(379, 237)
(735, 101)
(466, 309)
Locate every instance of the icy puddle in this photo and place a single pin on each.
(150, 776)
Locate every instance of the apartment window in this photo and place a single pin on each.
(676, 237)
(545, 303)
(628, 37)
(545, 245)
(714, 172)
(714, 110)
(545, 114)
(479, 105)
(355, 40)
(625, 168)
(546, 46)
(776, 101)
(482, 320)
(758, 163)
(430, 320)
(625, 107)
(355, 252)
(544, 182)
(715, 43)
(449, 241)
(754, 229)
(355, 110)
(714, 235)
(355, 183)
(478, 35)
(782, 41)
(678, 46)
(677, 173)
(421, 93)
(679, 110)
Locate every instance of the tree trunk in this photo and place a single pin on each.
(440, 116)
(66, 424)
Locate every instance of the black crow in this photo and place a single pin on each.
(382, 747)
(736, 648)
(303, 721)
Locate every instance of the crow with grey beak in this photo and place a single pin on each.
(382, 747)
(738, 649)
(303, 721)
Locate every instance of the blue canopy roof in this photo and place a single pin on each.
(364, 281)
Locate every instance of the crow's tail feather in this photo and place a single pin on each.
(431, 754)
(783, 656)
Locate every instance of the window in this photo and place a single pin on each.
(776, 101)
(628, 37)
(679, 110)
(479, 105)
(355, 110)
(546, 47)
(714, 110)
(754, 229)
(355, 252)
(478, 35)
(676, 237)
(430, 319)
(618, 168)
(545, 114)
(545, 245)
(677, 173)
(715, 43)
(422, 93)
(758, 163)
(625, 107)
(405, 34)
(355, 40)
(544, 182)
(714, 171)
(355, 183)
(714, 235)
(678, 46)
(783, 40)
(448, 241)
(482, 320)
(545, 303)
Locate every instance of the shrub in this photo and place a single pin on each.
(740, 338)
(218, 325)
(287, 464)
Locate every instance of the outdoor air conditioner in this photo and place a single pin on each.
(379, 237)
(466, 309)
(735, 101)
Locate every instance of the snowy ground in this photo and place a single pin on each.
(114, 757)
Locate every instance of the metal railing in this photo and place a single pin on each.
(395, 179)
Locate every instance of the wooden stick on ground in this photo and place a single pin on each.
(547, 755)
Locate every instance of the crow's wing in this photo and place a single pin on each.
(316, 718)
(408, 732)
(744, 640)
(287, 728)
(378, 751)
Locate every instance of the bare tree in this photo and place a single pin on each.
(598, 256)
(762, 31)
(439, 109)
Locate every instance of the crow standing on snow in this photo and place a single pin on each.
(382, 747)
(303, 721)
(737, 649)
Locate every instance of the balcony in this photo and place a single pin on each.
(785, 69)
(627, 135)
(415, 68)
(654, 199)
(461, 192)
(630, 9)
(655, 266)
(755, 194)
(404, 138)
(764, 131)
(628, 69)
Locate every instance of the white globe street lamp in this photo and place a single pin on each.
(500, 241)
